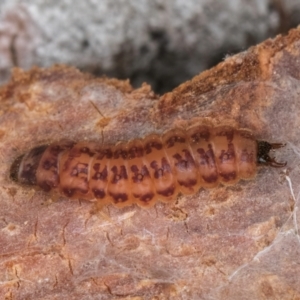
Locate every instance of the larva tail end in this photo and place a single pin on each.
(263, 157)
(14, 170)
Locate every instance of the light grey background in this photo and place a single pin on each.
(162, 42)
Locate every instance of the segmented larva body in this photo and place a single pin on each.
(143, 171)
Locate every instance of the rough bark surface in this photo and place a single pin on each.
(230, 242)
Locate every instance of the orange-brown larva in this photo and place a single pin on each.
(143, 171)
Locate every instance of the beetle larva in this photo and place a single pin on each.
(145, 170)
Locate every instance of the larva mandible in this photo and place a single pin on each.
(143, 171)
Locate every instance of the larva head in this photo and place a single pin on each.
(23, 169)
(263, 157)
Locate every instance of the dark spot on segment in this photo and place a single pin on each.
(51, 166)
(99, 193)
(96, 167)
(145, 198)
(120, 153)
(189, 157)
(87, 151)
(148, 147)
(181, 163)
(246, 135)
(211, 178)
(159, 171)
(139, 175)
(48, 164)
(228, 176)
(186, 162)
(173, 140)
(100, 175)
(119, 197)
(145, 172)
(227, 155)
(104, 153)
(119, 175)
(134, 152)
(136, 178)
(168, 191)
(228, 132)
(188, 182)
(207, 158)
(202, 135)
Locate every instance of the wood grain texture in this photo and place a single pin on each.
(231, 242)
